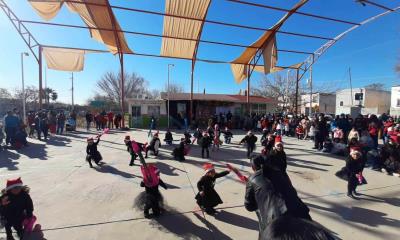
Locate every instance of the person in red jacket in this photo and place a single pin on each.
(110, 118)
(373, 132)
(389, 123)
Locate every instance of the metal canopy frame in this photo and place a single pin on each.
(36, 48)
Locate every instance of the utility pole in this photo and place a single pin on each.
(23, 87)
(351, 87)
(72, 90)
(311, 91)
(169, 65)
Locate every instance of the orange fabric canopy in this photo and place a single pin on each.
(96, 16)
(267, 42)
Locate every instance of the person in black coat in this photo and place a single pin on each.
(129, 148)
(268, 144)
(228, 135)
(187, 137)
(205, 144)
(92, 152)
(197, 136)
(262, 197)
(277, 157)
(354, 165)
(153, 195)
(321, 132)
(15, 206)
(250, 140)
(179, 152)
(270, 193)
(168, 137)
(155, 143)
(207, 198)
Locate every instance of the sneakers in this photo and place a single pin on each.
(396, 174)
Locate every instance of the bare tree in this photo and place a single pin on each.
(4, 93)
(154, 94)
(31, 94)
(110, 83)
(174, 88)
(375, 86)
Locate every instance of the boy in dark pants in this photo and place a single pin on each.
(151, 181)
(129, 148)
(208, 198)
(15, 206)
(205, 144)
(250, 140)
(354, 166)
(92, 152)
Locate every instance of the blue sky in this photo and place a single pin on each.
(371, 51)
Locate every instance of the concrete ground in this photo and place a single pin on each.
(73, 201)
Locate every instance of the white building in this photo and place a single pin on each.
(321, 103)
(362, 100)
(395, 102)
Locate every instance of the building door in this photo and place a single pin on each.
(136, 116)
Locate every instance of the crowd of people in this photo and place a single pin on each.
(41, 124)
(269, 190)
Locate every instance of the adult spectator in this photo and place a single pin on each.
(306, 124)
(270, 193)
(110, 118)
(37, 126)
(89, 120)
(60, 122)
(321, 132)
(31, 124)
(44, 125)
(52, 117)
(11, 125)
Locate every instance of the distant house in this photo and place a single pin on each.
(395, 101)
(321, 103)
(206, 106)
(362, 100)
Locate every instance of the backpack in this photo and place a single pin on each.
(151, 175)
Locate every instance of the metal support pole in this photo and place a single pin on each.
(191, 92)
(23, 87)
(168, 91)
(72, 91)
(122, 89)
(311, 91)
(40, 79)
(248, 94)
(297, 93)
(351, 88)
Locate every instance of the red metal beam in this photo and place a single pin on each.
(195, 19)
(157, 35)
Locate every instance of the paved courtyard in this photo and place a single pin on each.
(73, 201)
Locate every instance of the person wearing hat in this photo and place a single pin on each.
(250, 139)
(92, 152)
(15, 206)
(129, 148)
(151, 182)
(207, 198)
(155, 143)
(354, 166)
(277, 157)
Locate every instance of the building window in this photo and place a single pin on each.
(359, 96)
(341, 103)
(136, 111)
(153, 111)
(398, 102)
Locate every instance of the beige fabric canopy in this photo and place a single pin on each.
(95, 16)
(182, 28)
(267, 42)
(64, 59)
